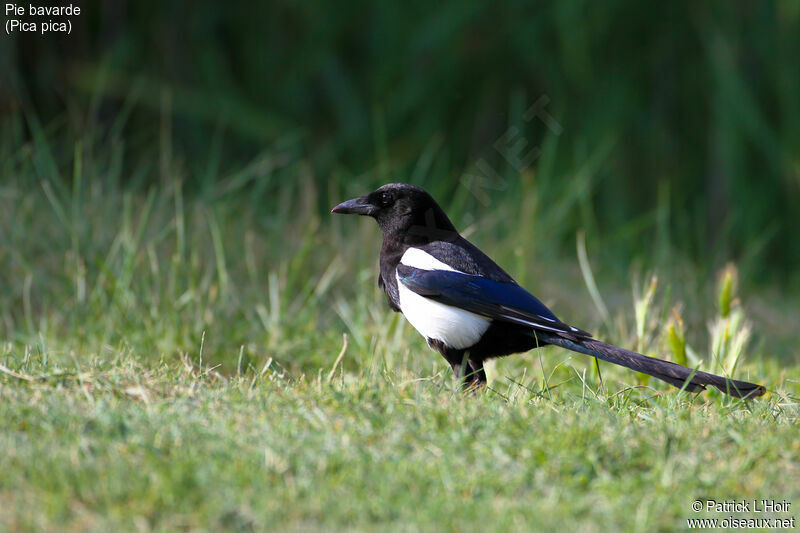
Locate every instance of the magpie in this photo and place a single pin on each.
(470, 310)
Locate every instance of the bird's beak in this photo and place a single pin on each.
(356, 206)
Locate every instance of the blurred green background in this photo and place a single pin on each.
(175, 162)
(678, 122)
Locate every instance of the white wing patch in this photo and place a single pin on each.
(455, 327)
(414, 257)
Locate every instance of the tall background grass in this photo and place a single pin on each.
(216, 138)
(680, 122)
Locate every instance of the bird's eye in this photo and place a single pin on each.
(387, 199)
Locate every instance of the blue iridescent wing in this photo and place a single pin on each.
(507, 302)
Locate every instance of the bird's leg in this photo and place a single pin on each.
(475, 377)
(459, 362)
(477, 374)
(468, 371)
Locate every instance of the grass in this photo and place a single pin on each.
(222, 360)
(127, 446)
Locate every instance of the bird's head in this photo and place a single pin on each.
(403, 210)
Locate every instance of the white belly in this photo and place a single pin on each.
(455, 327)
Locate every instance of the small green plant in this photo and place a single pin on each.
(730, 330)
(676, 337)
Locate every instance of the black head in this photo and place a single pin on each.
(404, 211)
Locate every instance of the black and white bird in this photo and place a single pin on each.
(469, 309)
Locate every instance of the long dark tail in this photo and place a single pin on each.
(672, 373)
